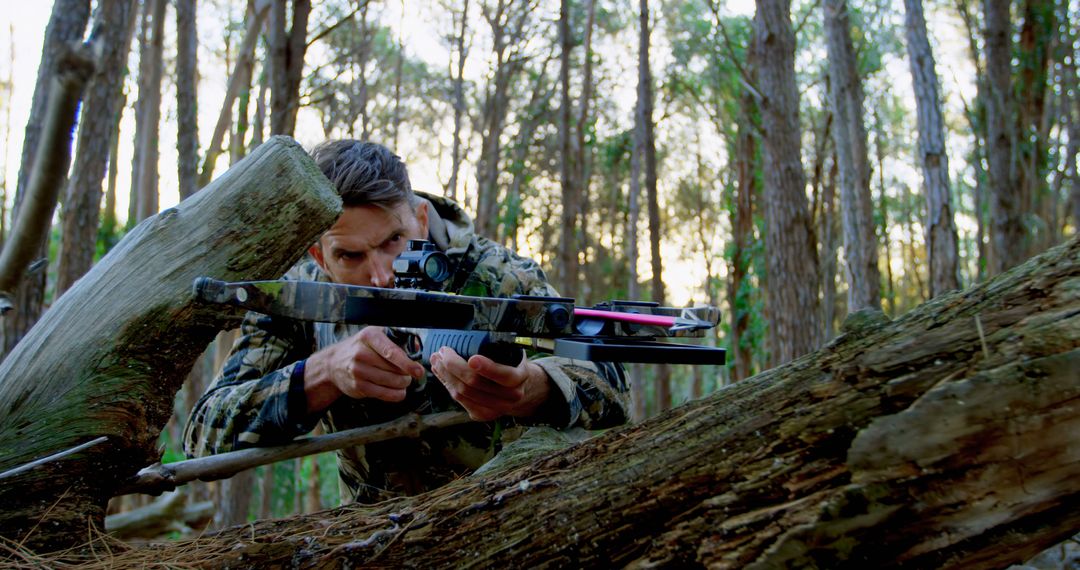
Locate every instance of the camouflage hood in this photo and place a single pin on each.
(449, 227)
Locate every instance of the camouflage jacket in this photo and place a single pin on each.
(258, 397)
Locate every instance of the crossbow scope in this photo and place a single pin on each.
(421, 266)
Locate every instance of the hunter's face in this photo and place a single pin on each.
(360, 248)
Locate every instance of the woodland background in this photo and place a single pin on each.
(789, 162)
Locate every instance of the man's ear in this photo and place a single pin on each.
(316, 252)
(422, 218)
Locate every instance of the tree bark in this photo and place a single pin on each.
(244, 59)
(742, 225)
(111, 354)
(66, 25)
(287, 51)
(144, 172)
(792, 262)
(645, 116)
(1008, 240)
(187, 109)
(856, 201)
(943, 439)
(30, 231)
(941, 242)
(82, 206)
(571, 189)
(458, 79)
(1032, 132)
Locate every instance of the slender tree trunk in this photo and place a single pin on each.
(266, 490)
(1031, 135)
(103, 101)
(1008, 240)
(856, 201)
(30, 230)
(245, 56)
(829, 229)
(458, 77)
(792, 263)
(743, 228)
(144, 176)
(67, 24)
(287, 51)
(941, 241)
(883, 205)
(1072, 111)
(571, 190)
(187, 109)
(399, 64)
(645, 117)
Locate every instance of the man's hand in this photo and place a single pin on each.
(489, 390)
(365, 365)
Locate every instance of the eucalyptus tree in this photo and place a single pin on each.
(849, 133)
(941, 238)
(67, 24)
(113, 26)
(792, 261)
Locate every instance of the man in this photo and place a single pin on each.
(285, 376)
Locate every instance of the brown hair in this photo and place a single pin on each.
(364, 173)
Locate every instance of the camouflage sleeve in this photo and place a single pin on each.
(258, 397)
(592, 395)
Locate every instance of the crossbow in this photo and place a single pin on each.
(500, 328)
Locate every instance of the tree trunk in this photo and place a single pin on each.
(742, 234)
(939, 440)
(571, 189)
(144, 173)
(82, 205)
(111, 354)
(286, 64)
(30, 230)
(187, 109)
(1007, 236)
(458, 78)
(245, 57)
(1031, 142)
(941, 246)
(856, 201)
(792, 261)
(645, 116)
(67, 24)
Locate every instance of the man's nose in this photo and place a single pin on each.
(382, 274)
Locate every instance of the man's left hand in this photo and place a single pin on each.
(489, 390)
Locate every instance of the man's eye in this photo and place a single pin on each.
(352, 255)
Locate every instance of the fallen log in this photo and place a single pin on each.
(943, 439)
(109, 356)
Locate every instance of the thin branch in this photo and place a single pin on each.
(337, 24)
(744, 77)
(158, 478)
(53, 457)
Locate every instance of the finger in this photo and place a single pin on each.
(449, 366)
(479, 411)
(506, 376)
(361, 373)
(393, 354)
(369, 390)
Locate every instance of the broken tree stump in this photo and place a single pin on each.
(109, 356)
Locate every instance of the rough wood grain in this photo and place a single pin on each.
(109, 356)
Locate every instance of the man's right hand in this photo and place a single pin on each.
(365, 365)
